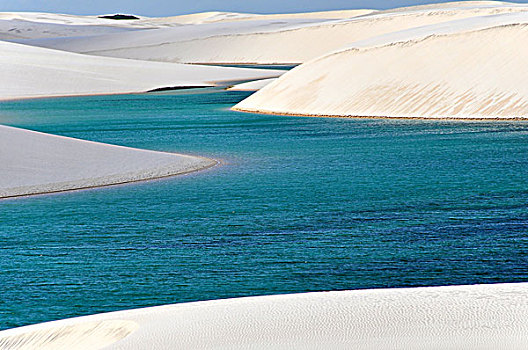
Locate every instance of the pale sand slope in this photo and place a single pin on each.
(153, 43)
(27, 71)
(34, 163)
(19, 29)
(16, 26)
(254, 85)
(34, 25)
(473, 68)
(212, 17)
(461, 317)
(268, 41)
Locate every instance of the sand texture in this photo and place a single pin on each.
(27, 71)
(467, 69)
(462, 317)
(289, 40)
(34, 163)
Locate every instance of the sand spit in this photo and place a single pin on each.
(254, 85)
(460, 317)
(269, 41)
(466, 69)
(27, 71)
(36, 163)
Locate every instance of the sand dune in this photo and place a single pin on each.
(267, 41)
(34, 72)
(34, 163)
(20, 29)
(212, 17)
(34, 25)
(156, 44)
(462, 317)
(472, 68)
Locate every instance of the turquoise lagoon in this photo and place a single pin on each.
(297, 205)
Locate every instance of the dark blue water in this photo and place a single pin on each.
(299, 204)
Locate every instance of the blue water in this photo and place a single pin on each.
(299, 204)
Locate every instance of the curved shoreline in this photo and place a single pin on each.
(36, 163)
(212, 163)
(286, 114)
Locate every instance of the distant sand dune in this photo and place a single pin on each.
(27, 71)
(472, 68)
(268, 40)
(34, 25)
(462, 317)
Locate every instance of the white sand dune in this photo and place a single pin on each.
(65, 19)
(212, 17)
(461, 317)
(267, 41)
(35, 25)
(34, 163)
(27, 71)
(19, 29)
(472, 68)
(153, 43)
(254, 85)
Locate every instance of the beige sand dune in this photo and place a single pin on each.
(34, 163)
(27, 71)
(268, 41)
(461, 317)
(472, 68)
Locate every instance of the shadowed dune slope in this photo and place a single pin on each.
(27, 71)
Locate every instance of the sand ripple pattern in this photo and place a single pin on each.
(460, 317)
(89, 335)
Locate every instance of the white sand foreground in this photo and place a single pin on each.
(268, 40)
(459, 317)
(27, 71)
(35, 163)
(467, 69)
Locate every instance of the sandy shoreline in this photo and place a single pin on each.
(453, 317)
(37, 163)
(41, 192)
(286, 114)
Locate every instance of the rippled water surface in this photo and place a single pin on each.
(299, 204)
